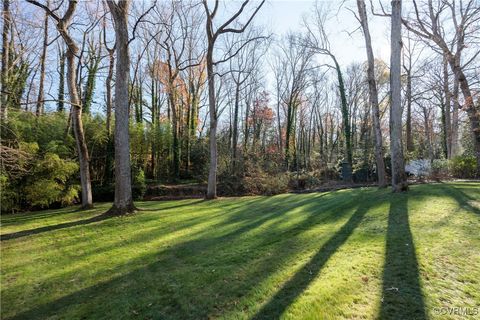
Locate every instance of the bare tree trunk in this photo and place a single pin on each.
(373, 96)
(235, 128)
(123, 202)
(345, 114)
(61, 83)
(212, 173)
(455, 143)
(5, 56)
(290, 128)
(40, 103)
(108, 122)
(399, 181)
(108, 87)
(448, 123)
(212, 36)
(76, 115)
(428, 133)
(409, 135)
(175, 134)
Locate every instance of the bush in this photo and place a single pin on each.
(138, 184)
(304, 181)
(364, 173)
(329, 174)
(10, 199)
(464, 167)
(419, 168)
(50, 182)
(258, 184)
(265, 184)
(440, 169)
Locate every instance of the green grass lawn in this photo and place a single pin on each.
(350, 254)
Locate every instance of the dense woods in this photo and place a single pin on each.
(101, 100)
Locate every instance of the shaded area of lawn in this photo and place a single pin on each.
(298, 283)
(402, 296)
(328, 255)
(30, 232)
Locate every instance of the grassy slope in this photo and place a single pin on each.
(330, 255)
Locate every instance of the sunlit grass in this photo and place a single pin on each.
(309, 256)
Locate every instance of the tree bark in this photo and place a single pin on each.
(61, 82)
(108, 87)
(408, 93)
(448, 123)
(212, 173)
(235, 128)
(372, 86)
(83, 156)
(5, 58)
(40, 103)
(345, 114)
(108, 122)
(399, 181)
(123, 202)
(455, 142)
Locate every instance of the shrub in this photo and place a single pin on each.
(329, 174)
(305, 180)
(419, 168)
(440, 169)
(9, 198)
(464, 167)
(266, 184)
(50, 182)
(364, 173)
(260, 183)
(138, 184)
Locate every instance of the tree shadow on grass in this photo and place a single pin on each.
(402, 296)
(463, 199)
(236, 221)
(301, 280)
(179, 282)
(98, 218)
(29, 232)
(184, 203)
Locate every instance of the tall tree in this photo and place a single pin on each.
(293, 66)
(43, 57)
(447, 123)
(373, 95)
(61, 80)
(71, 55)
(241, 69)
(212, 37)
(317, 40)
(108, 82)
(123, 202)
(429, 22)
(5, 55)
(399, 179)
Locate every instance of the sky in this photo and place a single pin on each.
(346, 38)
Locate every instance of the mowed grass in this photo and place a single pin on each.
(350, 254)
